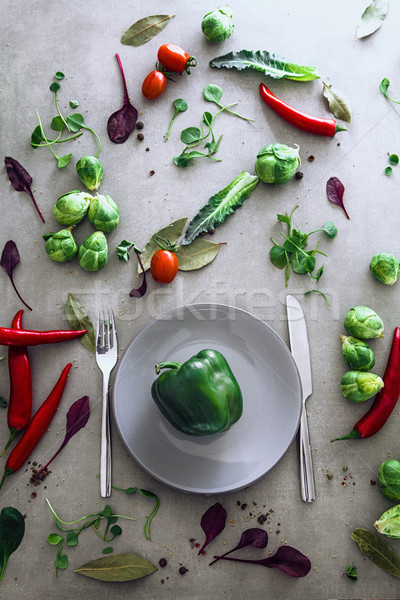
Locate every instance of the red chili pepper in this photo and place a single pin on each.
(27, 337)
(20, 402)
(37, 427)
(301, 120)
(385, 400)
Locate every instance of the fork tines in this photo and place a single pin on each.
(105, 332)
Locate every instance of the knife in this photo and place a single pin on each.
(301, 353)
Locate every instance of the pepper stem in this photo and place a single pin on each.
(354, 434)
(339, 128)
(13, 433)
(169, 364)
(7, 472)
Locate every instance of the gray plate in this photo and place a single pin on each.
(266, 373)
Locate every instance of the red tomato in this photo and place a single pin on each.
(164, 266)
(173, 58)
(154, 85)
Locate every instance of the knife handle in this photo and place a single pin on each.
(306, 464)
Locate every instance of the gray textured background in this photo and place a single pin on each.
(37, 39)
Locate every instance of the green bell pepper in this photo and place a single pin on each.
(200, 396)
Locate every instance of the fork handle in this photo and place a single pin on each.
(105, 450)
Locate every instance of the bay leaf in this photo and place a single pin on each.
(372, 18)
(196, 255)
(79, 319)
(145, 29)
(338, 103)
(377, 550)
(171, 232)
(119, 567)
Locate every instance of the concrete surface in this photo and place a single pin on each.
(81, 39)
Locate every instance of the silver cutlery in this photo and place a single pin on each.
(106, 358)
(301, 353)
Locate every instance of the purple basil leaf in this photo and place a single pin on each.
(212, 523)
(141, 290)
(251, 537)
(77, 417)
(335, 191)
(9, 260)
(20, 179)
(121, 123)
(286, 559)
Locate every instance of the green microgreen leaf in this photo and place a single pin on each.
(116, 530)
(180, 105)
(388, 171)
(191, 135)
(54, 539)
(213, 93)
(61, 561)
(63, 161)
(123, 250)
(54, 87)
(74, 103)
(351, 573)
(59, 75)
(57, 124)
(318, 292)
(72, 538)
(108, 550)
(393, 159)
(383, 87)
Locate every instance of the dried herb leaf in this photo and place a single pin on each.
(10, 258)
(196, 255)
(338, 103)
(171, 232)
(79, 319)
(378, 551)
(120, 567)
(335, 191)
(145, 29)
(372, 18)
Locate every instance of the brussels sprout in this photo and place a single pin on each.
(358, 386)
(103, 213)
(385, 267)
(61, 246)
(217, 25)
(90, 172)
(389, 479)
(71, 208)
(277, 163)
(358, 355)
(363, 322)
(389, 522)
(93, 253)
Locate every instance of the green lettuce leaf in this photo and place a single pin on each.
(220, 206)
(266, 62)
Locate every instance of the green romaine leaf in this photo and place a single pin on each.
(377, 550)
(79, 319)
(338, 103)
(120, 567)
(372, 18)
(171, 232)
(145, 29)
(196, 255)
(12, 530)
(220, 206)
(266, 62)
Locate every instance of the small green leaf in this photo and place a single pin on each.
(72, 538)
(190, 135)
(79, 319)
(207, 118)
(394, 159)
(74, 103)
(213, 93)
(55, 86)
(330, 229)
(181, 161)
(318, 292)
(59, 75)
(351, 572)
(283, 219)
(75, 122)
(303, 262)
(319, 273)
(278, 256)
(108, 550)
(180, 105)
(61, 561)
(145, 29)
(388, 171)
(37, 137)
(57, 124)
(63, 161)
(53, 539)
(116, 530)
(119, 567)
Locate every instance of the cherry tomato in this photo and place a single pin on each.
(164, 266)
(154, 85)
(174, 59)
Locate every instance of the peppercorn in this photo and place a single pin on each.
(299, 175)
(162, 562)
(183, 570)
(151, 173)
(140, 137)
(139, 125)
(310, 158)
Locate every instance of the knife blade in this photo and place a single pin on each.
(300, 350)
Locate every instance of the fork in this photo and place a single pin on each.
(106, 358)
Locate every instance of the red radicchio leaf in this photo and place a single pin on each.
(141, 290)
(286, 559)
(335, 191)
(77, 417)
(212, 523)
(9, 260)
(251, 537)
(20, 179)
(121, 123)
